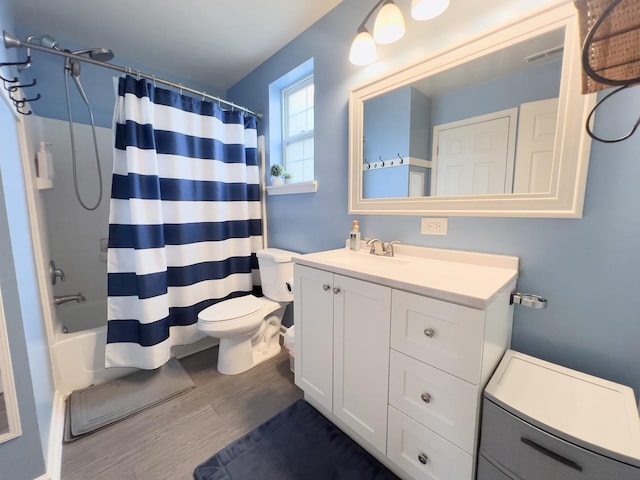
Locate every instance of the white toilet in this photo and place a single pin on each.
(249, 327)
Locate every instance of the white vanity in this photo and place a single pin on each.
(396, 351)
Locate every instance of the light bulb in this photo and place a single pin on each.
(428, 9)
(363, 49)
(389, 25)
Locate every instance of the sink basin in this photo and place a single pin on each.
(362, 258)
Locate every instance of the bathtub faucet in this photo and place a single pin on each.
(78, 297)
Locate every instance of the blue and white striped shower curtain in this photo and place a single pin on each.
(185, 220)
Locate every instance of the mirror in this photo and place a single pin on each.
(492, 127)
(9, 414)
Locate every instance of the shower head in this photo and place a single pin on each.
(100, 54)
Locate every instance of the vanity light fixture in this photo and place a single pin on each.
(389, 27)
(428, 9)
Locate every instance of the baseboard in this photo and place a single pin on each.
(56, 433)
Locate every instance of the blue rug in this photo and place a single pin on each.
(298, 443)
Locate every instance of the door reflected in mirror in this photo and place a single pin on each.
(487, 126)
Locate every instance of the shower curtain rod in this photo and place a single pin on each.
(11, 41)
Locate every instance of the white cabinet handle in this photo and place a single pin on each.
(422, 458)
(429, 332)
(326, 287)
(426, 398)
(336, 290)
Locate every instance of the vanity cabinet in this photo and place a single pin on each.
(396, 364)
(342, 327)
(441, 356)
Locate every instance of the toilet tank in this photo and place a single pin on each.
(276, 269)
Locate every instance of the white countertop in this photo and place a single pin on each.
(466, 278)
(588, 411)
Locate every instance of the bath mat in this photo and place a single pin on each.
(297, 443)
(97, 406)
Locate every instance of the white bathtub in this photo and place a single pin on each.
(78, 356)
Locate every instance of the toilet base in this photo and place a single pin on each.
(235, 356)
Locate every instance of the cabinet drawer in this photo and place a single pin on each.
(410, 444)
(442, 402)
(532, 454)
(442, 334)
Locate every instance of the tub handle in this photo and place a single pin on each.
(55, 273)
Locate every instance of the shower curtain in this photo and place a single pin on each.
(185, 219)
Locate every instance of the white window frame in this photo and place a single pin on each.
(286, 139)
(276, 135)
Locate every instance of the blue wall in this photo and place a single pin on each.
(587, 268)
(536, 83)
(22, 457)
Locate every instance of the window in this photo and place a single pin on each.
(298, 130)
(291, 129)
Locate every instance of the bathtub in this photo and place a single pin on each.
(78, 351)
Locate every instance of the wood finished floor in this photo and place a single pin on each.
(171, 439)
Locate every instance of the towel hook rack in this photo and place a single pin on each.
(12, 86)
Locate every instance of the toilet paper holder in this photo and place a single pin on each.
(528, 300)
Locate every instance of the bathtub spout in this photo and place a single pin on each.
(78, 297)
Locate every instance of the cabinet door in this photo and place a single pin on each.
(313, 320)
(361, 357)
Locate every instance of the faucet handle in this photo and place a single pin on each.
(388, 248)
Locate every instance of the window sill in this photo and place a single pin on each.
(293, 188)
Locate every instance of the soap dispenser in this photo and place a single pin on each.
(354, 236)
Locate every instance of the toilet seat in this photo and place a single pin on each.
(231, 309)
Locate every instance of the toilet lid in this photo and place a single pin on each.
(230, 309)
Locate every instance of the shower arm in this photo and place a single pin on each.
(10, 41)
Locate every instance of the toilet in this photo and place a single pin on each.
(249, 327)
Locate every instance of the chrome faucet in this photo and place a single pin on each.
(78, 297)
(378, 247)
(387, 248)
(373, 243)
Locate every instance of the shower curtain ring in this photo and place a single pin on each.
(154, 80)
(203, 95)
(180, 88)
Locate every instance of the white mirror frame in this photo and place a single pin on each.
(8, 384)
(6, 368)
(572, 147)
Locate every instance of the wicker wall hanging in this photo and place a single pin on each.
(610, 36)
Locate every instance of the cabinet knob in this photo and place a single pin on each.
(336, 290)
(422, 458)
(429, 332)
(426, 398)
(326, 287)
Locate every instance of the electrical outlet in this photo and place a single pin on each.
(434, 226)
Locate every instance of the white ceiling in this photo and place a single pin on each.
(214, 42)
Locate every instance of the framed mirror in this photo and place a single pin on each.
(9, 414)
(491, 127)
